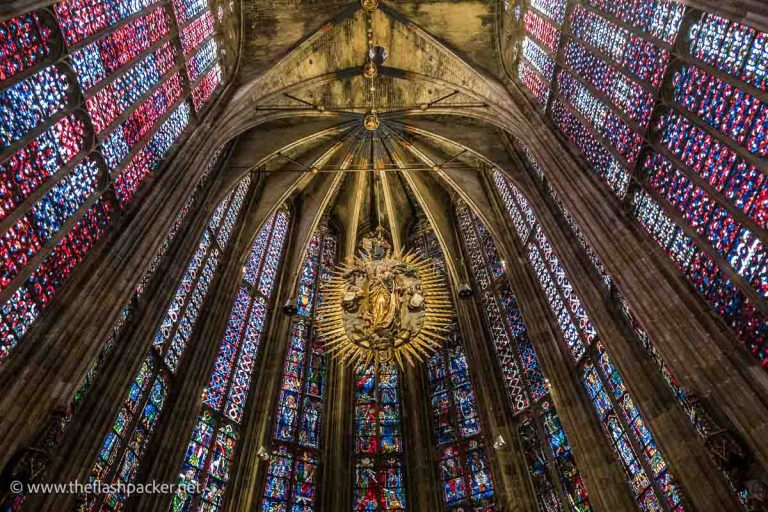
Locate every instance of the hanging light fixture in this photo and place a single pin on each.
(289, 308)
(465, 291)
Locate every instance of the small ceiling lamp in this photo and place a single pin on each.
(370, 70)
(371, 121)
(369, 5)
(465, 291)
(289, 308)
(314, 169)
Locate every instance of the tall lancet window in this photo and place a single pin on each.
(198, 44)
(291, 482)
(463, 466)
(52, 207)
(646, 470)
(92, 101)
(536, 69)
(704, 196)
(379, 474)
(208, 458)
(122, 450)
(550, 461)
(694, 175)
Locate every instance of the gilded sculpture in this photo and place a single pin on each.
(384, 305)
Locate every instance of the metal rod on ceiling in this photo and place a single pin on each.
(353, 109)
(438, 100)
(414, 169)
(279, 153)
(294, 98)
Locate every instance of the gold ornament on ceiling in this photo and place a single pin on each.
(370, 70)
(383, 306)
(369, 5)
(371, 121)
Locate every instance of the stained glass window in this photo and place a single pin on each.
(455, 419)
(150, 157)
(109, 102)
(527, 387)
(210, 453)
(80, 19)
(177, 223)
(208, 457)
(140, 102)
(25, 41)
(379, 472)
(122, 449)
(701, 192)
(292, 476)
(201, 53)
(100, 59)
(29, 103)
(704, 194)
(734, 113)
(139, 123)
(118, 327)
(453, 400)
(466, 477)
(736, 49)
(30, 167)
(646, 470)
(456, 426)
(39, 289)
(187, 9)
(203, 90)
(542, 22)
(27, 235)
(196, 32)
(116, 78)
(202, 60)
(44, 179)
(612, 68)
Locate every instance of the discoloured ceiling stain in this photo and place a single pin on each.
(273, 28)
(467, 27)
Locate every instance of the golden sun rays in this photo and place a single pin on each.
(418, 328)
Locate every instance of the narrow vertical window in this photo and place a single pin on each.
(646, 470)
(208, 459)
(463, 468)
(291, 482)
(536, 68)
(379, 472)
(548, 453)
(123, 448)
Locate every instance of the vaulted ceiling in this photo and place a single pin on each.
(441, 95)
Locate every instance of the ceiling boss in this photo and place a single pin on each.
(384, 305)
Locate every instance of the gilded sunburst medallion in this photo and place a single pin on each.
(383, 306)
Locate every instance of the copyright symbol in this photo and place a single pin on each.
(17, 487)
